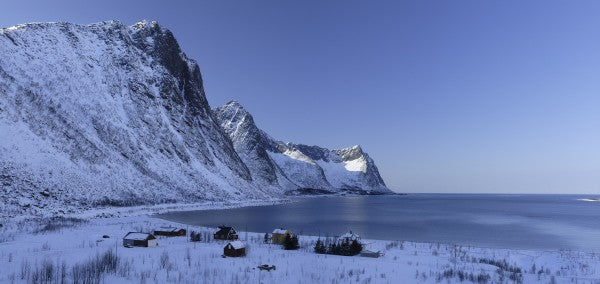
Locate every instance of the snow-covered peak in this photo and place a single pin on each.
(234, 104)
(307, 166)
(351, 153)
(236, 113)
(238, 123)
(145, 24)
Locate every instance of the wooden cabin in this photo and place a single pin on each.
(226, 233)
(370, 253)
(170, 232)
(278, 236)
(137, 239)
(235, 249)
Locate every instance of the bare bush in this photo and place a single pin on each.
(57, 223)
(91, 271)
(43, 273)
(164, 260)
(188, 257)
(25, 270)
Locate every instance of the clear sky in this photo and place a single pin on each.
(446, 96)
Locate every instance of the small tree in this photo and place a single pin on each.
(290, 243)
(344, 248)
(355, 247)
(266, 238)
(334, 248)
(195, 236)
(320, 247)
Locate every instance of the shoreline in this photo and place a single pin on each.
(174, 207)
(182, 224)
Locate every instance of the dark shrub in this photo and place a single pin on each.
(290, 243)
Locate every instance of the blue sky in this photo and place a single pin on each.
(446, 96)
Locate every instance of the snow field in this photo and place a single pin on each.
(27, 248)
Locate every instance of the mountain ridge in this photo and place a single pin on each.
(112, 115)
(298, 160)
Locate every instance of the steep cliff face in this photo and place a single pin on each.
(114, 115)
(302, 166)
(248, 142)
(109, 114)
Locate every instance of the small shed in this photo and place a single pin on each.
(349, 236)
(278, 236)
(370, 253)
(170, 232)
(235, 249)
(137, 239)
(226, 233)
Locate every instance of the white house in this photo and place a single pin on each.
(137, 239)
(349, 236)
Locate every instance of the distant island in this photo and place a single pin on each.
(590, 199)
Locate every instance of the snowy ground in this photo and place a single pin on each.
(34, 251)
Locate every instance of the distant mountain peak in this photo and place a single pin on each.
(305, 166)
(233, 103)
(143, 24)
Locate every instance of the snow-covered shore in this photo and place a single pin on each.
(163, 208)
(29, 251)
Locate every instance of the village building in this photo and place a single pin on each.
(370, 253)
(349, 236)
(226, 233)
(170, 232)
(234, 249)
(136, 239)
(278, 236)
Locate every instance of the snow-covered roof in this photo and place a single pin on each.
(223, 230)
(169, 229)
(280, 231)
(350, 235)
(237, 245)
(137, 236)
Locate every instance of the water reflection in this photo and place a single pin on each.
(506, 221)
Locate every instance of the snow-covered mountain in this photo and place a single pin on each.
(288, 164)
(114, 115)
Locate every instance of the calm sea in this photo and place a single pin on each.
(540, 222)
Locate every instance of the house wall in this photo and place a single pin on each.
(228, 251)
(179, 233)
(140, 243)
(231, 237)
(279, 238)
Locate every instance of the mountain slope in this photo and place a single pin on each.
(307, 167)
(248, 143)
(109, 114)
(113, 115)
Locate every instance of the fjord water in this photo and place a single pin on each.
(538, 222)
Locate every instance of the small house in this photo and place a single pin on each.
(370, 253)
(170, 232)
(226, 233)
(349, 237)
(235, 249)
(136, 239)
(278, 236)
